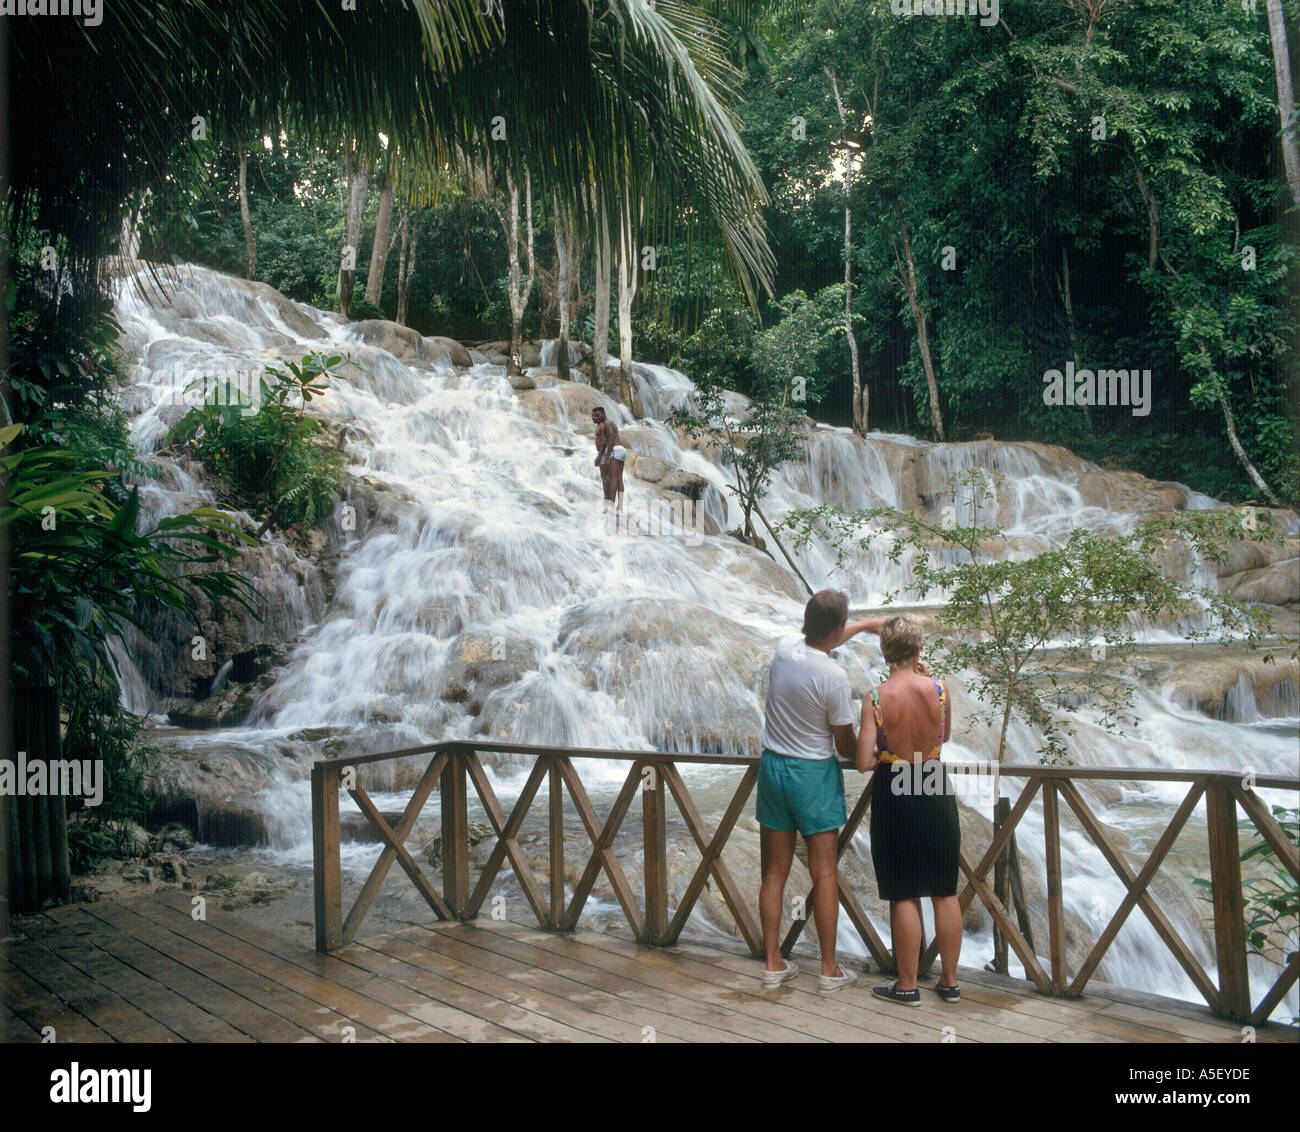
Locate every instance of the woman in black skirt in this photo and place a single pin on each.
(915, 835)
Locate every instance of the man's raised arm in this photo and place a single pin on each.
(853, 628)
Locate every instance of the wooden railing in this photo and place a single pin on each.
(453, 766)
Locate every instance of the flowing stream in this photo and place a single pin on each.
(494, 540)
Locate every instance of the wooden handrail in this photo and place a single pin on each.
(1011, 770)
(454, 766)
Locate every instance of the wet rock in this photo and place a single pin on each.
(174, 838)
(647, 468)
(567, 404)
(175, 666)
(638, 650)
(400, 341)
(1229, 686)
(230, 708)
(478, 662)
(257, 887)
(1278, 584)
(476, 832)
(448, 350)
(521, 382)
(684, 483)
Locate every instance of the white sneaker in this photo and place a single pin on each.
(776, 978)
(828, 984)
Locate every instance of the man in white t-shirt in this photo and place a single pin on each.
(808, 719)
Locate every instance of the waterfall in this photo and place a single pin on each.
(485, 595)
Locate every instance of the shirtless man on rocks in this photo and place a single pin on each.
(610, 458)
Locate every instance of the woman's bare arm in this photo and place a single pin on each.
(867, 758)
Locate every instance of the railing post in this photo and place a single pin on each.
(1229, 913)
(556, 807)
(455, 832)
(1055, 893)
(656, 855)
(326, 866)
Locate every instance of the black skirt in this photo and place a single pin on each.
(915, 834)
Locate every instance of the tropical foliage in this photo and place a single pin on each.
(268, 453)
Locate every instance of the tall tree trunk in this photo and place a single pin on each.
(383, 225)
(38, 832)
(403, 238)
(1230, 422)
(562, 256)
(352, 223)
(1063, 285)
(519, 292)
(627, 284)
(907, 274)
(859, 400)
(1285, 98)
(250, 245)
(600, 335)
(406, 260)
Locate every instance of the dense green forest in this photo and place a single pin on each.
(1090, 184)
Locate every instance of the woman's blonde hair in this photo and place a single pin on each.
(900, 639)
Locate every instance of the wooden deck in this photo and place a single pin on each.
(142, 970)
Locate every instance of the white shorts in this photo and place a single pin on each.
(620, 454)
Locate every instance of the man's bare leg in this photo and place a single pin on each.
(826, 895)
(776, 851)
(607, 485)
(947, 931)
(618, 482)
(905, 927)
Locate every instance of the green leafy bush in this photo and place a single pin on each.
(361, 309)
(269, 457)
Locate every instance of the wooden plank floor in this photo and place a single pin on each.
(142, 970)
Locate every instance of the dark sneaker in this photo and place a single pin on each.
(948, 994)
(891, 993)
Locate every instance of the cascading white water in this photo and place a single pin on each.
(616, 640)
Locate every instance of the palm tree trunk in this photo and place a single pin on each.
(379, 250)
(1285, 98)
(245, 215)
(600, 335)
(908, 276)
(859, 401)
(562, 256)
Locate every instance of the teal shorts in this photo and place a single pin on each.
(802, 794)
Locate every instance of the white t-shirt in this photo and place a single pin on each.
(807, 695)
